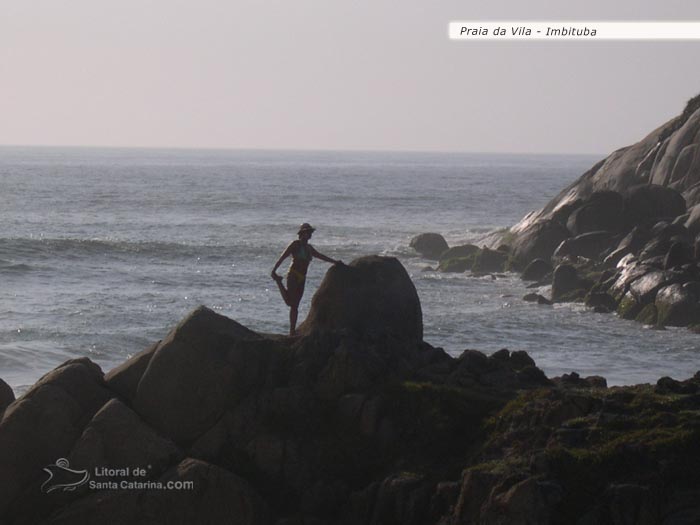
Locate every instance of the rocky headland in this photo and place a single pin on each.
(355, 421)
(622, 238)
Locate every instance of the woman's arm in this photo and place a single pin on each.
(286, 253)
(319, 255)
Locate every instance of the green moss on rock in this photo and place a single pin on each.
(648, 315)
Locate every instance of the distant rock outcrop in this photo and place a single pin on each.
(628, 227)
(658, 177)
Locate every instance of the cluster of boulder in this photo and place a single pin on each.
(356, 421)
(623, 237)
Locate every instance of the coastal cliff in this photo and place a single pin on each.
(622, 238)
(356, 421)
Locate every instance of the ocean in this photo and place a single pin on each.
(102, 251)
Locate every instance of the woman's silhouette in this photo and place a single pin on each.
(302, 253)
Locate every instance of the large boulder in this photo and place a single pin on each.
(536, 270)
(538, 240)
(371, 297)
(589, 245)
(41, 426)
(207, 363)
(630, 244)
(124, 379)
(601, 212)
(679, 254)
(676, 306)
(644, 288)
(107, 442)
(429, 245)
(645, 204)
(565, 280)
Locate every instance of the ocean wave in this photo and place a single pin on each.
(7, 267)
(70, 248)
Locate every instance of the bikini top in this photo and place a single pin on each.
(302, 254)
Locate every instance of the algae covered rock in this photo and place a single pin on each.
(488, 260)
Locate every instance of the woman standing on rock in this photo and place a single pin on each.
(302, 253)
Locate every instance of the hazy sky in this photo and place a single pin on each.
(332, 74)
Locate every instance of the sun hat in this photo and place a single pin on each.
(306, 227)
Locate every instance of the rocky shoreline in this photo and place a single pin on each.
(355, 421)
(622, 238)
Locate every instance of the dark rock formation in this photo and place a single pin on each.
(463, 250)
(676, 306)
(124, 379)
(208, 354)
(7, 396)
(692, 223)
(371, 297)
(429, 245)
(645, 204)
(537, 240)
(537, 270)
(678, 255)
(602, 211)
(587, 456)
(489, 261)
(341, 428)
(42, 426)
(565, 280)
(536, 298)
(589, 245)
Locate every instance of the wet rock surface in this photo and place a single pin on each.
(429, 245)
